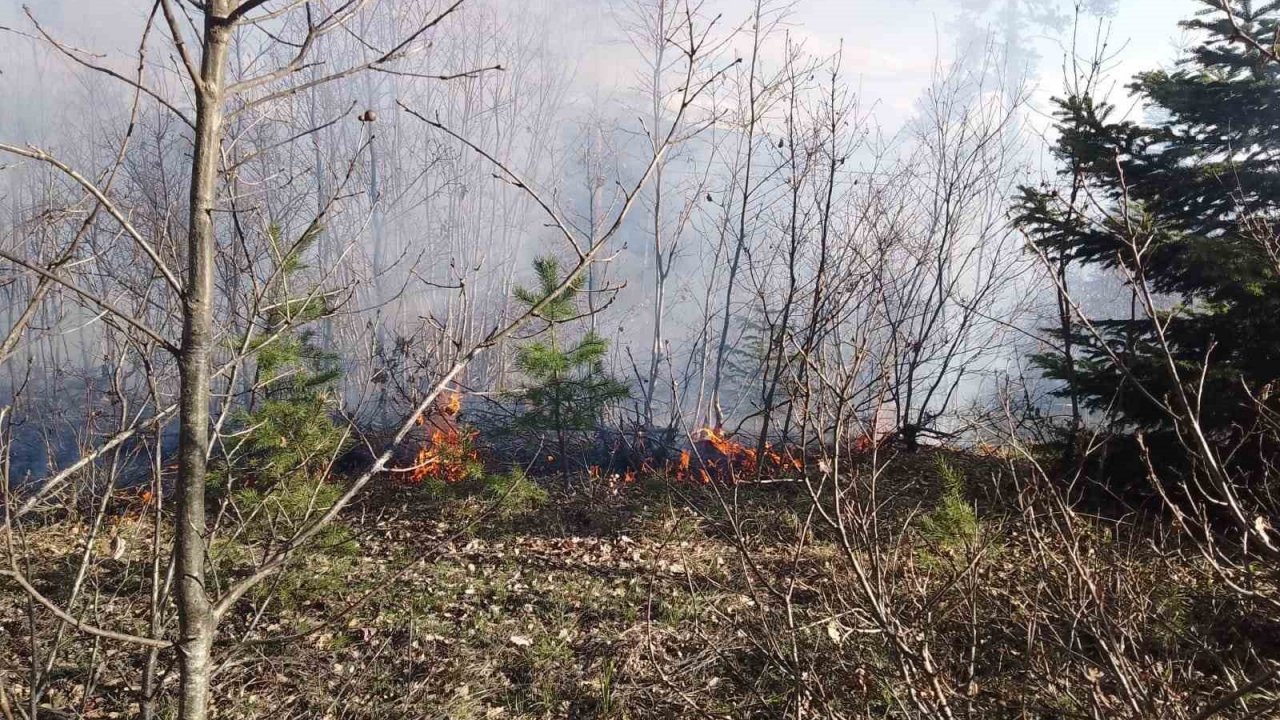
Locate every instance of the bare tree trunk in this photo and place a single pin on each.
(1063, 297)
(196, 621)
(779, 328)
(753, 117)
(659, 273)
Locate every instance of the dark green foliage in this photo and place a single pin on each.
(290, 431)
(273, 514)
(1196, 189)
(952, 523)
(567, 387)
(513, 494)
(286, 439)
(276, 469)
(279, 458)
(289, 428)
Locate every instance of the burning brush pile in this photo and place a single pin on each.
(446, 449)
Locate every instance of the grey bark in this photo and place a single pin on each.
(196, 621)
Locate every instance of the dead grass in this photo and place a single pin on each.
(635, 604)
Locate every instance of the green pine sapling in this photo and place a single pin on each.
(277, 464)
(567, 388)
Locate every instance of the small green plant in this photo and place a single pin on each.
(567, 386)
(952, 523)
(606, 682)
(287, 434)
(514, 494)
(275, 472)
(280, 459)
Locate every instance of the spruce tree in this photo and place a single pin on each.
(1196, 189)
(567, 387)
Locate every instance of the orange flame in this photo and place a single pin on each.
(451, 403)
(447, 456)
(722, 457)
(711, 435)
(736, 455)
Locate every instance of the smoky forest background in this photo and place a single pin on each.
(635, 359)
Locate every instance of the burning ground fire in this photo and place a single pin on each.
(725, 458)
(714, 457)
(448, 454)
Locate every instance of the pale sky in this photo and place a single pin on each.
(890, 45)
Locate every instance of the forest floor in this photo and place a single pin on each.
(648, 600)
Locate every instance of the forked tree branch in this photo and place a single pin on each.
(35, 153)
